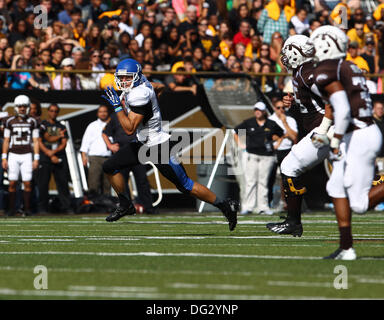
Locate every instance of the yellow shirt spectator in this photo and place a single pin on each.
(359, 61)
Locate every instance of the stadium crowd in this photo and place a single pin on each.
(165, 35)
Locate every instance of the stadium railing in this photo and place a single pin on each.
(263, 76)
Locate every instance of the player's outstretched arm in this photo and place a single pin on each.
(128, 122)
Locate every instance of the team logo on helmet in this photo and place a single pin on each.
(297, 50)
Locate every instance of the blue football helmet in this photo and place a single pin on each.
(131, 70)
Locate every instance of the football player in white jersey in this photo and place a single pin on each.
(19, 131)
(140, 113)
(356, 140)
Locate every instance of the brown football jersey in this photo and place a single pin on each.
(354, 83)
(311, 105)
(20, 133)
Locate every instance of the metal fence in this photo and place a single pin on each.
(203, 74)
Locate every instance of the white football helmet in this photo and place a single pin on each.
(297, 50)
(22, 100)
(330, 43)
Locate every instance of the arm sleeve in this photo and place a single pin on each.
(342, 111)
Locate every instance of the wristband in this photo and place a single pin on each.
(36, 156)
(335, 143)
(119, 108)
(324, 126)
(3, 156)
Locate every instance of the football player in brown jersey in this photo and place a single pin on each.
(356, 140)
(19, 131)
(297, 55)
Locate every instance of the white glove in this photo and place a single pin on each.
(319, 140)
(335, 145)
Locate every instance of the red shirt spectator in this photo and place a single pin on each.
(244, 35)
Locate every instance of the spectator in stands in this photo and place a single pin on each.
(206, 41)
(252, 50)
(236, 16)
(239, 51)
(276, 46)
(191, 20)
(218, 64)
(18, 80)
(91, 12)
(207, 64)
(67, 81)
(355, 58)
(40, 80)
(65, 15)
(77, 54)
(198, 55)
(180, 82)
(255, 137)
(94, 41)
(175, 42)
(27, 54)
(19, 32)
(226, 45)
(299, 23)
(144, 32)
(264, 58)
(356, 34)
(95, 62)
(247, 64)
(57, 57)
(371, 55)
(275, 17)
(313, 25)
(244, 34)
(53, 160)
(169, 20)
(158, 36)
(94, 153)
(87, 82)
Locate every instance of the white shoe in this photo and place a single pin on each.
(267, 212)
(342, 254)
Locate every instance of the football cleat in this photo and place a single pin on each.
(230, 208)
(342, 254)
(120, 212)
(286, 228)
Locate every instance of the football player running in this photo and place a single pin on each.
(19, 131)
(138, 111)
(356, 140)
(297, 55)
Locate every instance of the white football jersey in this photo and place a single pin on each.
(150, 130)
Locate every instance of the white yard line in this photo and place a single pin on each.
(113, 289)
(299, 284)
(141, 295)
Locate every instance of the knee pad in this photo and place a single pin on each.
(293, 186)
(359, 207)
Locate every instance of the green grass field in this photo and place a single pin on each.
(186, 256)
